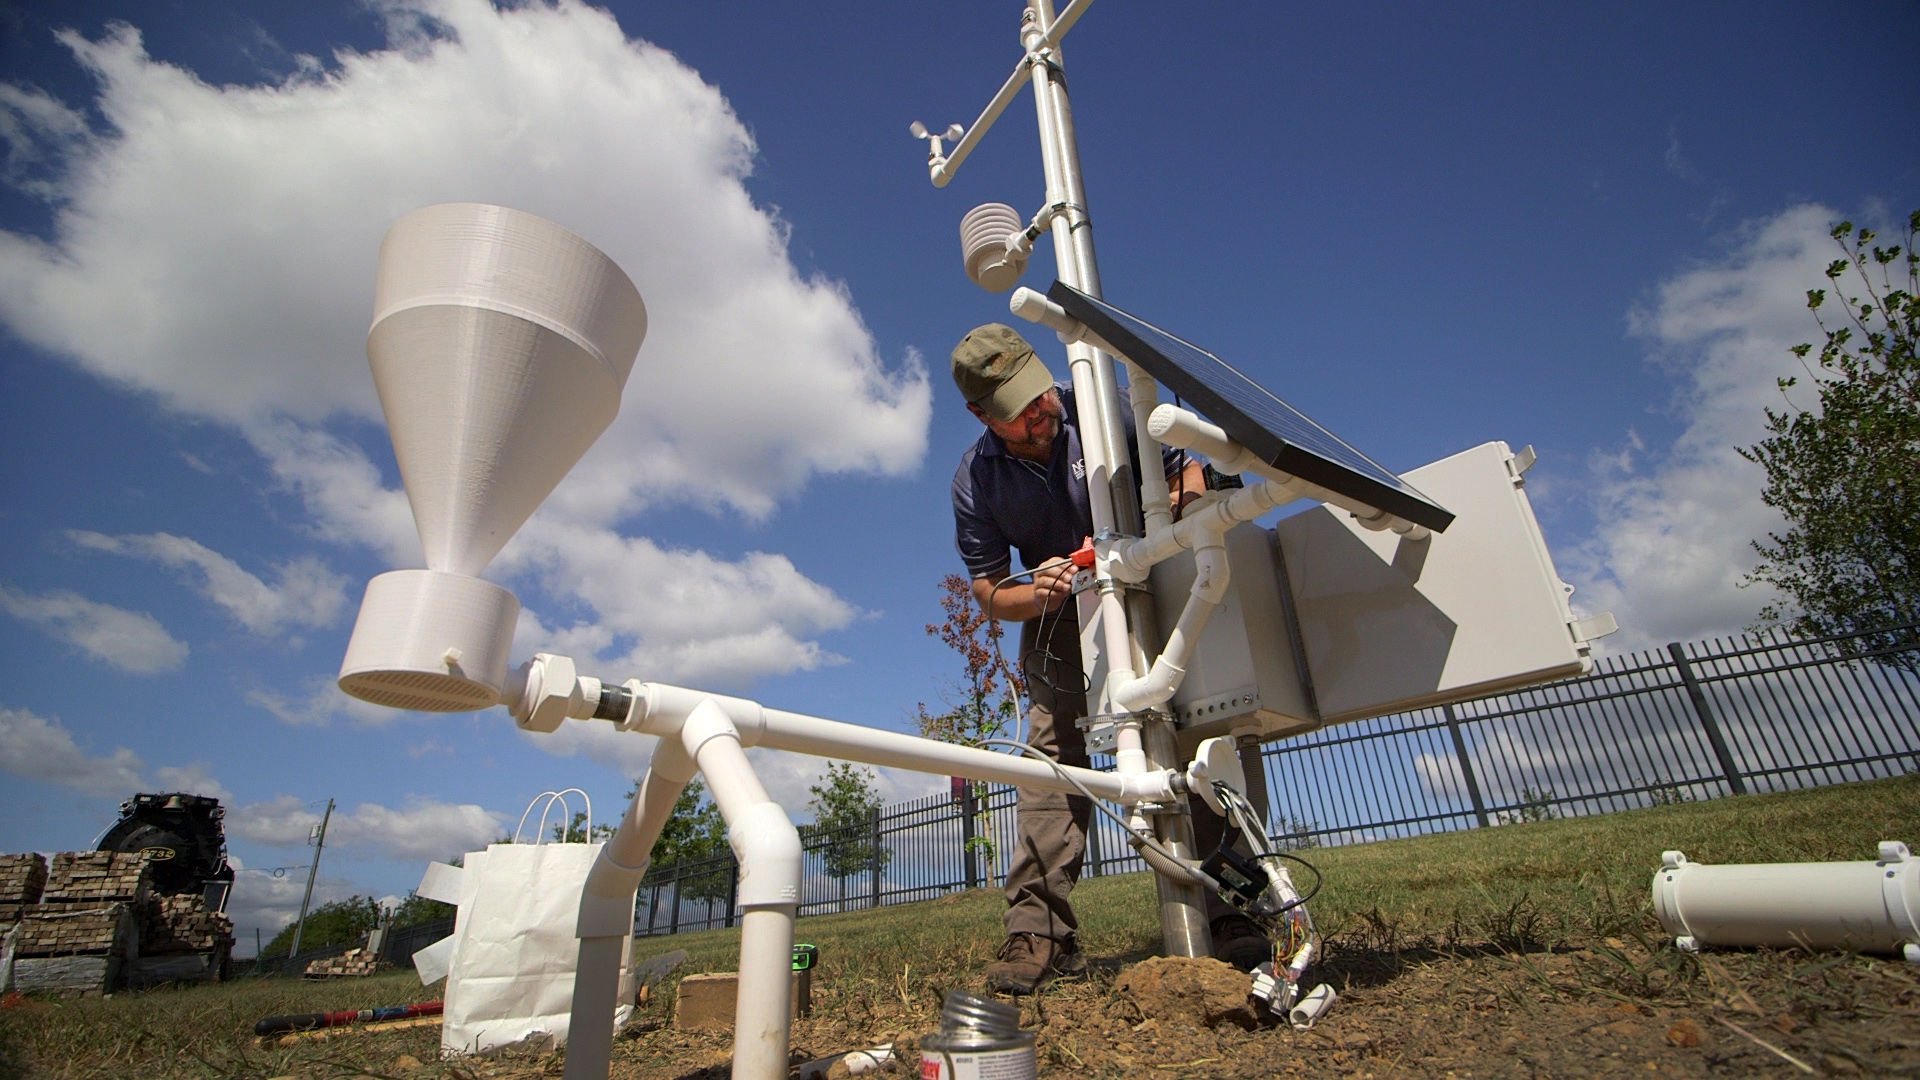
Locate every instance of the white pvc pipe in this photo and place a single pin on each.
(1161, 681)
(763, 1009)
(942, 170)
(605, 919)
(1172, 424)
(1200, 528)
(1177, 427)
(596, 994)
(767, 846)
(1312, 1007)
(1868, 906)
(661, 710)
(1129, 748)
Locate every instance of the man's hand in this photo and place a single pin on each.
(1052, 586)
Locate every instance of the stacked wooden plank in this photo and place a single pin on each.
(22, 879)
(73, 948)
(181, 941)
(82, 933)
(90, 922)
(177, 924)
(353, 962)
(92, 877)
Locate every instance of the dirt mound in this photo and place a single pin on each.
(1199, 991)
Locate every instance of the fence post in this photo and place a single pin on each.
(1466, 766)
(1093, 844)
(673, 920)
(969, 858)
(1704, 710)
(733, 886)
(875, 849)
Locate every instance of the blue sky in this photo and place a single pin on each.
(1584, 227)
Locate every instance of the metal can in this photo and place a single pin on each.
(979, 1039)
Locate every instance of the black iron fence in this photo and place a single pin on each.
(1690, 722)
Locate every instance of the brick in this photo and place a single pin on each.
(705, 1002)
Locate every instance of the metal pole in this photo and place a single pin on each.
(320, 841)
(1183, 922)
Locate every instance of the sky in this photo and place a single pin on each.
(1585, 227)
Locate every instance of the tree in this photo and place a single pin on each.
(695, 834)
(575, 831)
(846, 809)
(417, 910)
(985, 708)
(341, 924)
(1845, 474)
(987, 704)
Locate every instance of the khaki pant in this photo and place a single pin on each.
(1050, 841)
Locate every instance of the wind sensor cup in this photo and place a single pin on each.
(500, 346)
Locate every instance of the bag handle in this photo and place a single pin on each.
(546, 800)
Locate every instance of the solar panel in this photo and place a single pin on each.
(1281, 435)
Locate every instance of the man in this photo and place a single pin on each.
(1022, 487)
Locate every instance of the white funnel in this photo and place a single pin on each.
(500, 345)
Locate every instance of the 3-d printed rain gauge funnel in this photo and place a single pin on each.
(500, 345)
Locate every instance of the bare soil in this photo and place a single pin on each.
(1492, 1009)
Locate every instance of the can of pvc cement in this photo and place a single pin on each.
(978, 1040)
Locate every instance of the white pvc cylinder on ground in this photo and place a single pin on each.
(1865, 906)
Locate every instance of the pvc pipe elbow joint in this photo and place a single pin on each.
(1151, 690)
(606, 900)
(768, 848)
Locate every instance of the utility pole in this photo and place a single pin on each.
(319, 842)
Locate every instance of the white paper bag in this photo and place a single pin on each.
(510, 969)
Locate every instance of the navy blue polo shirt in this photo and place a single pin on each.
(1003, 503)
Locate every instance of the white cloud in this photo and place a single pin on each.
(214, 246)
(42, 749)
(195, 777)
(682, 616)
(303, 593)
(422, 830)
(132, 641)
(200, 196)
(264, 902)
(1675, 522)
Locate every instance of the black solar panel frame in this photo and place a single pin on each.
(1212, 387)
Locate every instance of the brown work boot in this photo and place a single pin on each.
(1028, 962)
(1239, 942)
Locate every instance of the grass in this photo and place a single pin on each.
(1512, 899)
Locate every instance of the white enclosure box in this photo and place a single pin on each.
(1246, 670)
(1326, 621)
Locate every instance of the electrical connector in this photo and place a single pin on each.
(1275, 992)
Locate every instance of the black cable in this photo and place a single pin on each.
(1238, 804)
